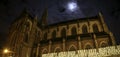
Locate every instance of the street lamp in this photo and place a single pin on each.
(6, 51)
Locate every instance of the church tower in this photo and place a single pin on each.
(22, 34)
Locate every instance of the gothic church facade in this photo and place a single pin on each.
(30, 38)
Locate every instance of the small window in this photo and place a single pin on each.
(57, 50)
(95, 28)
(88, 47)
(84, 29)
(45, 52)
(73, 31)
(104, 45)
(72, 48)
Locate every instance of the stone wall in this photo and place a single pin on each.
(111, 51)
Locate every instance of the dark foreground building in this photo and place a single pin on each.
(83, 37)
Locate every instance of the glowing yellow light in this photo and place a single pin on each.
(6, 51)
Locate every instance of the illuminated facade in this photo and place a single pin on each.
(79, 37)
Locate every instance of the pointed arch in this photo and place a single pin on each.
(44, 51)
(72, 48)
(57, 50)
(84, 29)
(88, 46)
(73, 31)
(95, 28)
(103, 44)
(63, 33)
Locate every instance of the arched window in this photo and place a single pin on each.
(45, 36)
(88, 47)
(57, 50)
(95, 28)
(26, 38)
(54, 34)
(44, 52)
(72, 48)
(84, 29)
(104, 45)
(63, 33)
(73, 31)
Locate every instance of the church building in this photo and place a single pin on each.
(83, 37)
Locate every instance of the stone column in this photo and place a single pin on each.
(95, 40)
(79, 43)
(37, 50)
(63, 44)
(104, 26)
(50, 43)
(112, 39)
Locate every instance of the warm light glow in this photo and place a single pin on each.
(103, 52)
(72, 6)
(6, 51)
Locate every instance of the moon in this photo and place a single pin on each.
(72, 6)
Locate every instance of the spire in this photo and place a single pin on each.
(25, 12)
(44, 17)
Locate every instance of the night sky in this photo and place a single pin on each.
(59, 11)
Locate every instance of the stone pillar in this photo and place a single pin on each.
(112, 39)
(95, 40)
(37, 50)
(104, 26)
(50, 43)
(63, 44)
(79, 43)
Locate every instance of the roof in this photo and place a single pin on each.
(73, 21)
